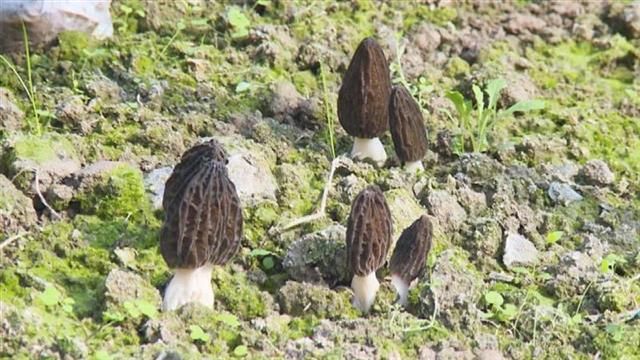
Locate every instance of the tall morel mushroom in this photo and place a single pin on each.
(203, 224)
(408, 260)
(369, 232)
(363, 100)
(407, 129)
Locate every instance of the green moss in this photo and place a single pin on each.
(618, 341)
(72, 44)
(40, 150)
(239, 296)
(299, 299)
(120, 193)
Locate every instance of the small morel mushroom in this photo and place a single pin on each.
(203, 224)
(408, 259)
(407, 129)
(363, 101)
(368, 239)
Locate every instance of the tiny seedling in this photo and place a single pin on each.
(498, 309)
(553, 237)
(476, 125)
(239, 22)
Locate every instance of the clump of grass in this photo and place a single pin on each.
(329, 112)
(476, 125)
(34, 126)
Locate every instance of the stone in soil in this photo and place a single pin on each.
(597, 172)
(563, 193)
(519, 251)
(318, 257)
(446, 209)
(16, 210)
(154, 184)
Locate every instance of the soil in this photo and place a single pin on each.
(536, 249)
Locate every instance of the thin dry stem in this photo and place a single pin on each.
(318, 214)
(44, 202)
(11, 239)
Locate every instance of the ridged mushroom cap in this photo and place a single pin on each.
(412, 248)
(203, 216)
(190, 161)
(369, 232)
(407, 125)
(363, 100)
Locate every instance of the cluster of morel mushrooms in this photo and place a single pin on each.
(203, 216)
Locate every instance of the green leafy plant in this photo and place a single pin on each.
(34, 126)
(476, 125)
(497, 308)
(239, 22)
(554, 236)
(197, 334)
(610, 262)
(51, 298)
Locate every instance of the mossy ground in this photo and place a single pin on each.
(178, 71)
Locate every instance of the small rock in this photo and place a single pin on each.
(319, 257)
(404, 208)
(520, 23)
(154, 184)
(59, 196)
(597, 172)
(472, 201)
(168, 329)
(446, 209)
(593, 246)
(253, 179)
(122, 286)
(300, 299)
(426, 37)
(426, 353)
(572, 275)
(104, 89)
(454, 287)
(16, 210)
(562, 193)
(519, 251)
(449, 353)
(562, 173)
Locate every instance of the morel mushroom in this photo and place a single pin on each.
(203, 224)
(408, 259)
(369, 232)
(407, 129)
(363, 101)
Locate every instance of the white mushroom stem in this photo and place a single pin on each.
(187, 286)
(402, 288)
(414, 166)
(364, 290)
(368, 149)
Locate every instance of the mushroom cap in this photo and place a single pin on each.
(407, 125)
(190, 161)
(203, 216)
(369, 232)
(412, 248)
(363, 100)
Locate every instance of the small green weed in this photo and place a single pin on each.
(475, 126)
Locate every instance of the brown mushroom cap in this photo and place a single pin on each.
(190, 161)
(407, 125)
(369, 232)
(203, 221)
(363, 100)
(412, 248)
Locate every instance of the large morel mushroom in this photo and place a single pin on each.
(369, 232)
(363, 101)
(408, 260)
(407, 129)
(203, 224)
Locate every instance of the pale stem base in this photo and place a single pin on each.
(368, 149)
(402, 288)
(189, 286)
(413, 166)
(364, 290)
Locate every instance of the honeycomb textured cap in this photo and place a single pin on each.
(412, 248)
(369, 232)
(363, 99)
(191, 161)
(203, 221)
(407, 126)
